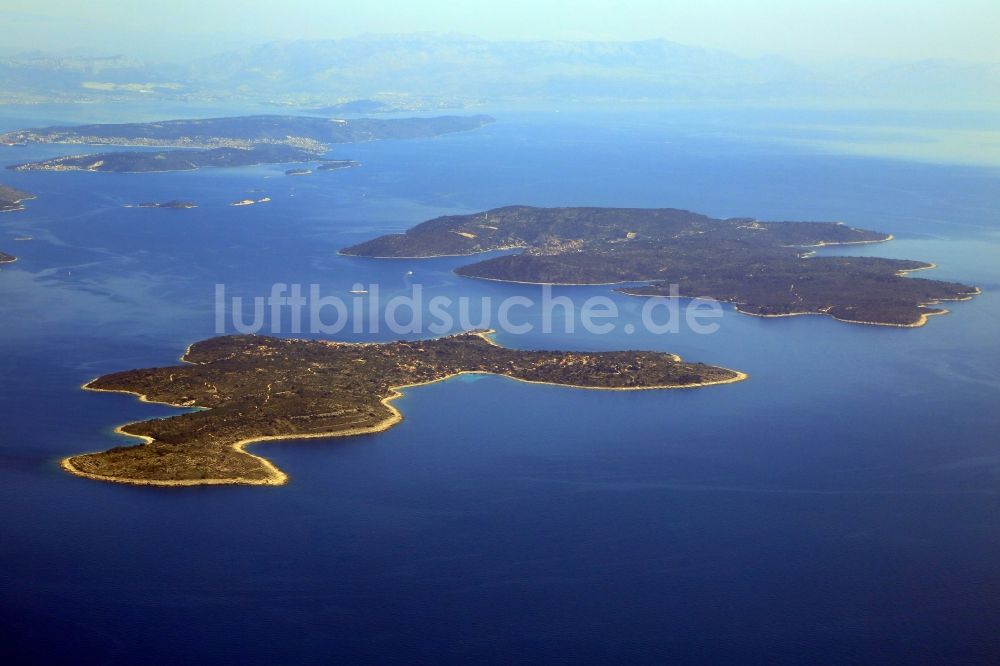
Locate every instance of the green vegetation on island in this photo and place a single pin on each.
(254, 388)
(764, 268)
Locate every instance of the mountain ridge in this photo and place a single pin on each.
(466, 71)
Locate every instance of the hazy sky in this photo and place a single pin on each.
(898, 29)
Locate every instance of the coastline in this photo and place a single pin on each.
(917, 324)
(197, 168)
(889, 237)
(924, 316)
(18, 203)
(276, 477)
(926, 267)
(920, 322)
(550, 284)
(902, 272)
(439, 256)
(249, 145)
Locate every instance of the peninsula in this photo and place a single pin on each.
(249, 389)
(226, 142)
(764, 268)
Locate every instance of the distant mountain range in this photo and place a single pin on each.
(412, 72)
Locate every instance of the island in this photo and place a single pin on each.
(763, 268)
(226, 142)
(131, 161)
(174, 204)
(308, 132)
(244, 389)
(11, 198)
(250, 202)
(298, 172)
(7, 258)
(336, 165)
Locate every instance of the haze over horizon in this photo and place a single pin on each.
(808, 31)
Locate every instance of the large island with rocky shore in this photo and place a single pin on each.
(183, 145)
(129, 161)
(249, 389)
(764, 268)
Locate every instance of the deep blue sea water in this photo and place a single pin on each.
(841, 506)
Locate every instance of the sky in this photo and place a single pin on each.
(800, 29)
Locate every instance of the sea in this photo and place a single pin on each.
(840, 506)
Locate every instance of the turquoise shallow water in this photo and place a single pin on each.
(839, 506)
